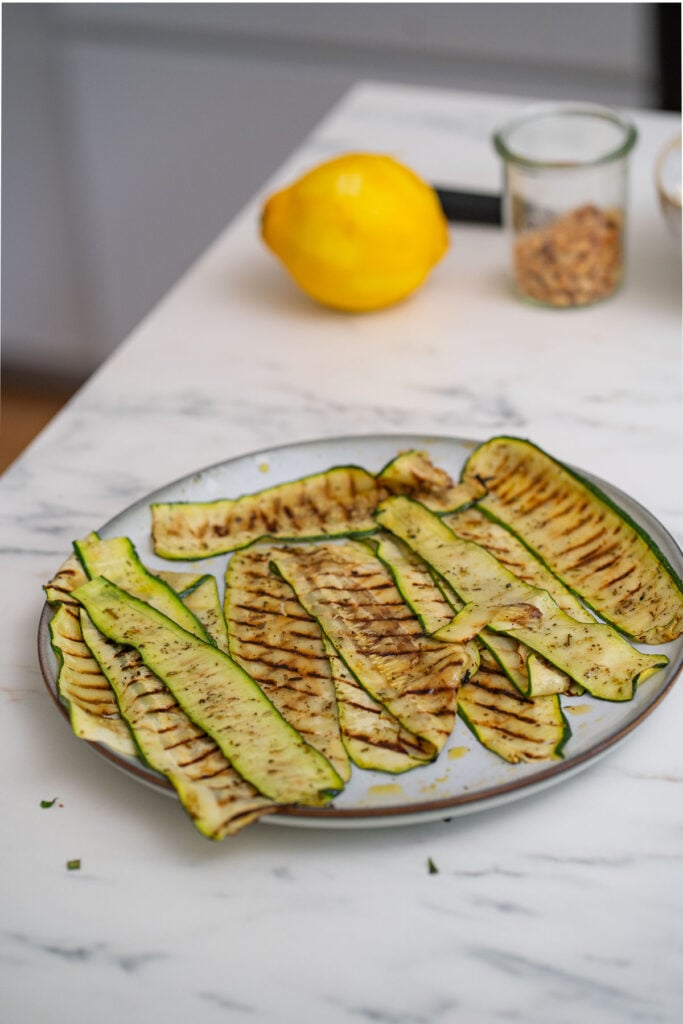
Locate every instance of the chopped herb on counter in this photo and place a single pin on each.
(431, 866)
(73, 865)
(48, 803)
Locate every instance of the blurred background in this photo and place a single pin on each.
(132, 133)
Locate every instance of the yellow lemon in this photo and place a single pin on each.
(359, 232)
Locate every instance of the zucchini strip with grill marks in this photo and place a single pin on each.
(280, 646)
(219, 801)
(591, 653)
(93, 711)
(337, 503)
(218, 695)
(507, 724)
(583, 537)
(354, 598)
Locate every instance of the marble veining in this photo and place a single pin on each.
(565, 906)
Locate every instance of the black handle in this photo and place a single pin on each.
(470, 207)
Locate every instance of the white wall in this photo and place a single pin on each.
(133, 132)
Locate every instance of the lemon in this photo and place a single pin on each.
(359, 232)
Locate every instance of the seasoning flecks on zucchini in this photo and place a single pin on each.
(217, 798)
(218, 695)
(281, 647)
(514, 727)
(354, 598)
(591, 653)
(582, 536)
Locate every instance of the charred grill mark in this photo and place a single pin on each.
(154, 710)
(544, 498)
(144, 695)
(385, 743)
(185, 765)
(290, 518)
(184, 742)
(250, 609)
(513, 488)
(504, 731)
(597, 552)
(272, 667)
(266, 645)
(210, 776)
(574, 526)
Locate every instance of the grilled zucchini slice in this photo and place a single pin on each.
(339, 502)
(514, 727)
(360, 610)
(591, 653)
(281, 647)
(93, 711)
(582, 536)
(219, 801)
(218, 695)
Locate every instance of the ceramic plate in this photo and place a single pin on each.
(465, 777)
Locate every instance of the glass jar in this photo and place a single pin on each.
(566, 176)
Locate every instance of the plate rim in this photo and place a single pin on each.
(390, 814)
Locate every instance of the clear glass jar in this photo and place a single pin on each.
(566, 177)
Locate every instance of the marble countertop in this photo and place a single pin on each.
(564, 906)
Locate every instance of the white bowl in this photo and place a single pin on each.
(668, 181)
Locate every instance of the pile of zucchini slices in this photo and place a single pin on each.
(361, 614)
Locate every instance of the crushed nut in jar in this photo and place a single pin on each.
(573, 261)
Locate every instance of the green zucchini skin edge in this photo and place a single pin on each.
(596, 492)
